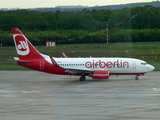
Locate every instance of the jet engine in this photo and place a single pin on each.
(102, 74)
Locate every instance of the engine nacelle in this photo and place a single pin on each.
(102, 74)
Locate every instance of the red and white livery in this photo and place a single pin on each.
(97, 68)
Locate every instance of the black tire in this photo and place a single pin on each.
(136, 78)
(82, 78)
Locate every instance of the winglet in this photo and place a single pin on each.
(64, 55)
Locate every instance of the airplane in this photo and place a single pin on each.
(97, 68)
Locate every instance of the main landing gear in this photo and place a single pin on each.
(136, 78)
(82, 78)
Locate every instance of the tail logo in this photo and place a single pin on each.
(21, 45)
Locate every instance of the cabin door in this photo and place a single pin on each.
(134, 64)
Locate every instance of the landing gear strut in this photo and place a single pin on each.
(82, 78)
(136, 78)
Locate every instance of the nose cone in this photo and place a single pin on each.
(150, 68)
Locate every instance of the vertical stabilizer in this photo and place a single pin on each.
(25, 50)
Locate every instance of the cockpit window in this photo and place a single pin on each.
(143, 63)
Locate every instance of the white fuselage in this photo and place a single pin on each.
(113, 65)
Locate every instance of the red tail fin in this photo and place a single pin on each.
(25, 50)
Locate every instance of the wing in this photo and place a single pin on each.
(78, 70)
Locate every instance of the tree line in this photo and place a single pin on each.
(59, 26)
(109, 7)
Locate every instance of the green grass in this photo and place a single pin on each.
(149, 51)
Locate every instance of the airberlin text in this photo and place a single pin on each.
(108, 64)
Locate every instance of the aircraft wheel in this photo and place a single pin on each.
(136, 78)
(82, 78)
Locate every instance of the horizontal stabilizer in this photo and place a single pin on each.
(22, 61)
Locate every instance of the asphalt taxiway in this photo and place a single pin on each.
(32, 95)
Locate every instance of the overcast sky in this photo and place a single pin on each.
(53, 3)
